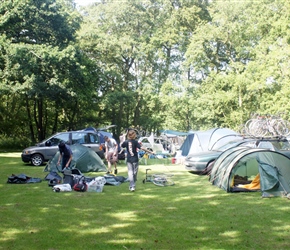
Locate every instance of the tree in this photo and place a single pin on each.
(40, 64)
(240, 55)
(139, 46)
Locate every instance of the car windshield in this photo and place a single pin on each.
(228, 145)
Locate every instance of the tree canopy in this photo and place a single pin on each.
(153, 65)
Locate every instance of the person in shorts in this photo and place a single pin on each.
(111, 153)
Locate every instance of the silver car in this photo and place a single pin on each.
(45, 150)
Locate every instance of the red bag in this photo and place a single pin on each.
(81, 186)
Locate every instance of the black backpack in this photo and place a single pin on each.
(54, 182)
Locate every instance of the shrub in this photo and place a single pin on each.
(12, 143)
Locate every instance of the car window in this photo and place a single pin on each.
(79, 138)
(58, 138)
(84, 138)
(93, 138)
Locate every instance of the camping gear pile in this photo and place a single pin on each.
(74, 180)
(97, 184)
(22, 179)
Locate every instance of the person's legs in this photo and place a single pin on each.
(64, 162)
(130, 175)
(135, 171)
(109, 155)
(114, 161)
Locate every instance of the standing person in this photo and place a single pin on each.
(111, 153)
(132, 147)
(65, 155)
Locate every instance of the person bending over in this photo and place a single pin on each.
(65, 155)
(111, 153)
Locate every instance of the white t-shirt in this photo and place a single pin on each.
(111, 145)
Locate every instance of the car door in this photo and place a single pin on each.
(51, 145)
(94, 143)
(87, 139)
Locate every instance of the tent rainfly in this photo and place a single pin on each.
(85, 159)
(244, 169)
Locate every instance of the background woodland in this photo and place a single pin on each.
(160, 64)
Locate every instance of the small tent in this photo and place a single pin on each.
(85, 159)
(252, 169)
(200, 141)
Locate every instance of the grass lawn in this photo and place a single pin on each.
(192, 214)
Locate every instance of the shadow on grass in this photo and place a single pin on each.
(192, 214)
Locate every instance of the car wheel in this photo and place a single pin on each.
(37, 160)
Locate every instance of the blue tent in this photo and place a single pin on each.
(200, 141)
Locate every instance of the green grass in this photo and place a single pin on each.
(192, 214)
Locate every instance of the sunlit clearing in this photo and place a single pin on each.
(200, 229)
(126, 240)
(88, 230)
(124, 216)
(11, 234)
(215, 203)
(14, 155)
(121, 225)
(286, 209)
(231, 234)
(279, 228)
(171, 208)
(144, 196)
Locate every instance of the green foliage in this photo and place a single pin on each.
(13, 143)
(152, 64)
(38, 22)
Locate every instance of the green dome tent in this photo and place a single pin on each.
(252, 169)
(84, 159)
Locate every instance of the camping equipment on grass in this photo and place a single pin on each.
(81, 185)
(62, 188)
(53, 178)
(22, 179)
(72, 177)
(97, 184)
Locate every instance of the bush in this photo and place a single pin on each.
(12, 143)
